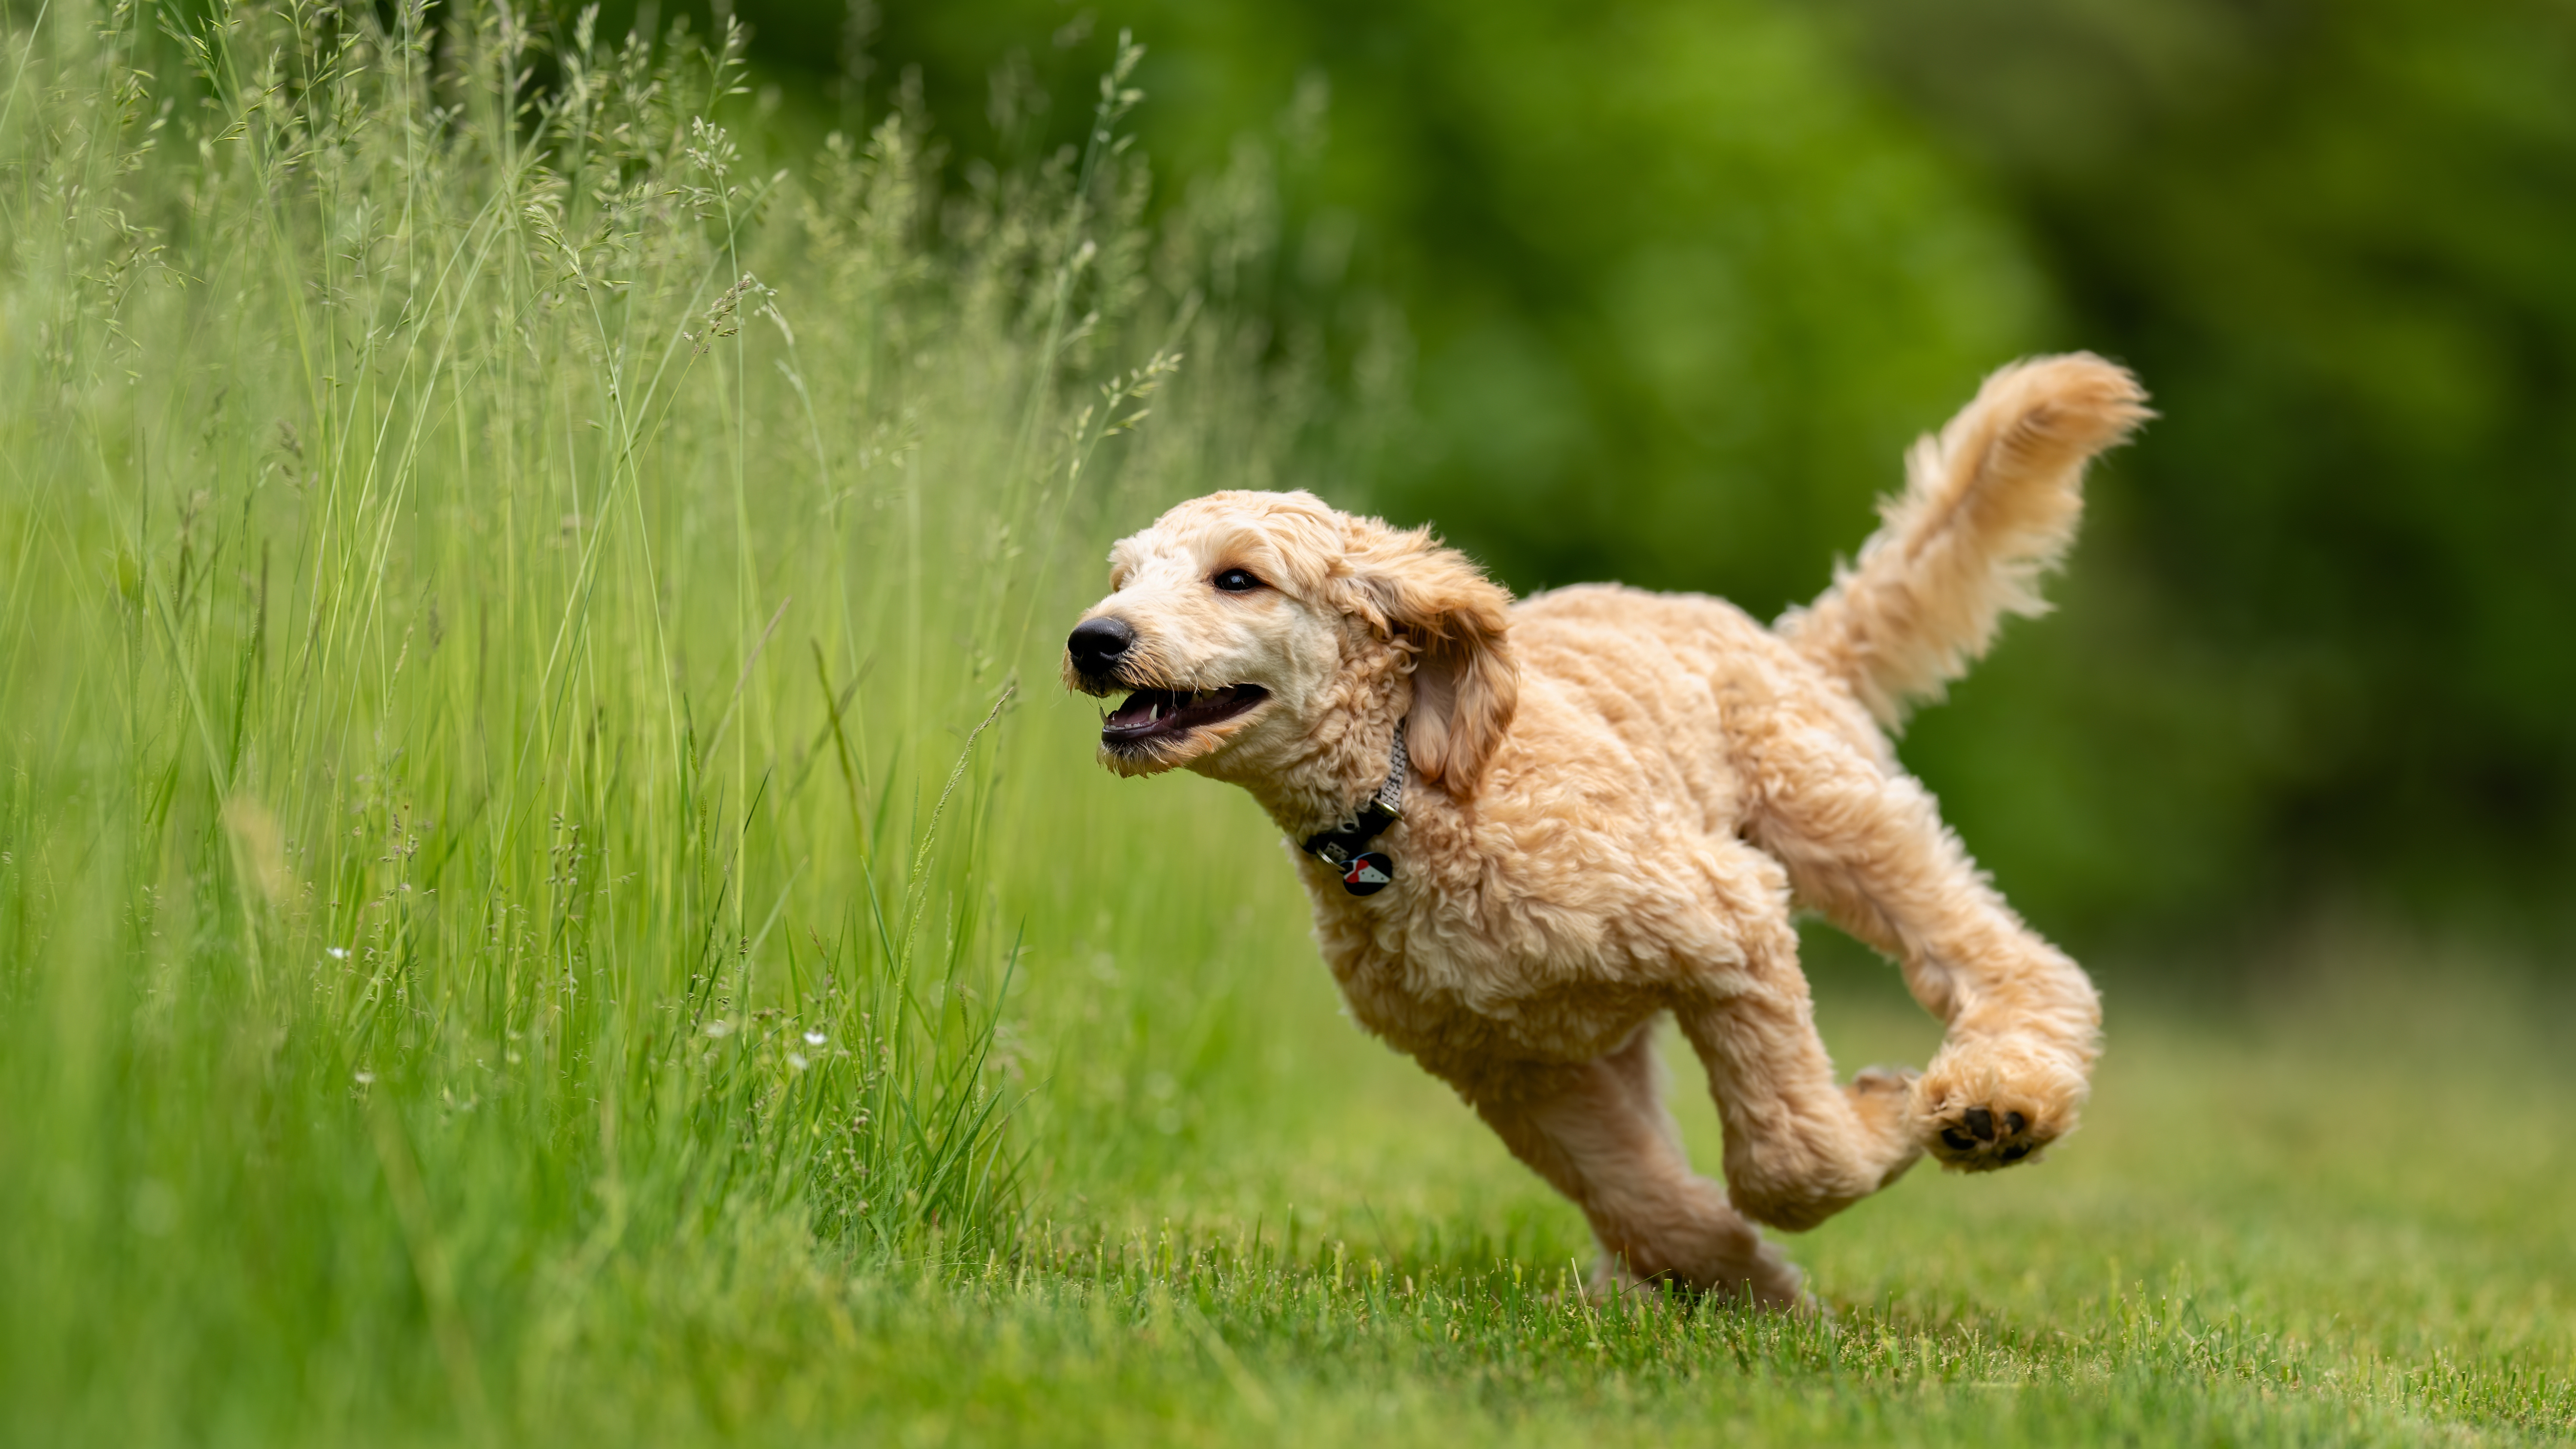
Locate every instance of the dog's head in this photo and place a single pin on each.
(1242, 626)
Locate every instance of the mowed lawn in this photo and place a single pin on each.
(2345, 1214)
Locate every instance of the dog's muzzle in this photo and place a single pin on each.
(1097, 647)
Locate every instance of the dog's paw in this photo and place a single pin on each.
(1883, 1099)
(1772, 1283)
(1878, 1092)
(1981, 1138)
(1978, 1109)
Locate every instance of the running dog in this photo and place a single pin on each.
(1529, 829)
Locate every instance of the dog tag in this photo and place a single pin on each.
(1369, 874)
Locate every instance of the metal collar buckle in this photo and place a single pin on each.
(1365, 872)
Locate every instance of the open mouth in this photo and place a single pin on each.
(1164, 714)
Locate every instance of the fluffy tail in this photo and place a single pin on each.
(1989, 506)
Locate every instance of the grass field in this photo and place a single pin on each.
(547, 892)
(2235, 1256)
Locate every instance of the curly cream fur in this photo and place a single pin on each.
(1989, 506)
(1633, 792)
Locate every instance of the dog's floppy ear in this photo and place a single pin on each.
(1465, 681)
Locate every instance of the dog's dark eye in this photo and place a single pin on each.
(1236, 581)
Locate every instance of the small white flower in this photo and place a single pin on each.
(797, 1060)
(719, 1028)
(366, 1078)
(336, 953)
(815, 1038)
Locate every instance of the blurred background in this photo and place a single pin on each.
(1658, 291)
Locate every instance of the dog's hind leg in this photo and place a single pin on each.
(1598, 1133)
(1867, 847)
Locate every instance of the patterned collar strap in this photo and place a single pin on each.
(1365, 872)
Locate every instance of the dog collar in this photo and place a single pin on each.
(1365, 872)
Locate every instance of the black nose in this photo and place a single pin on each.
(1098, 644)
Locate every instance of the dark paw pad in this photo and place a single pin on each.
(1980, 1139)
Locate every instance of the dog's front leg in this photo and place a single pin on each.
(1598, 1132)
(1869, 850)
(1799, 1146)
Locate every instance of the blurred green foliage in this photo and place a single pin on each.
(1678, 278)
(2336, 239)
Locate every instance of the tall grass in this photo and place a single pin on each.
(516, 605)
